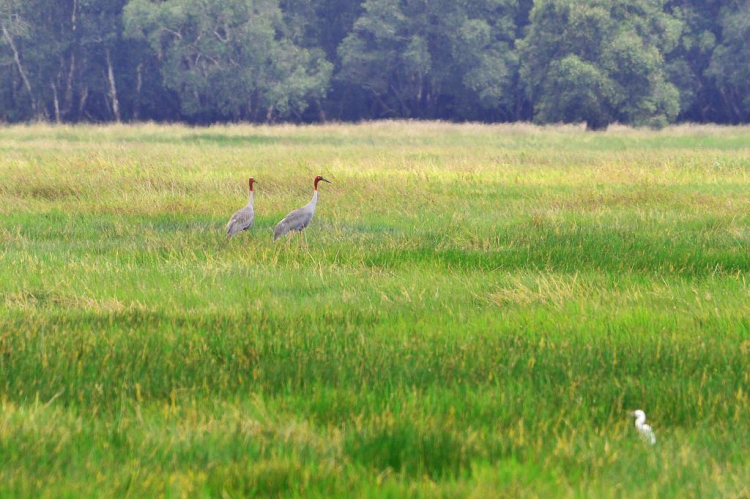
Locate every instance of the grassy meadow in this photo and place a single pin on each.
(474, 313)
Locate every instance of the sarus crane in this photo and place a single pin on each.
(299, 218)
(243, 218)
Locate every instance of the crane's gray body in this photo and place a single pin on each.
(242, 220)
(296, 220)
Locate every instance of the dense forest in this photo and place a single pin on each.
(639, 62)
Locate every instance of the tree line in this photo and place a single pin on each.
(639, 62)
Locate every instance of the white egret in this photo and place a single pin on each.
(646, 432)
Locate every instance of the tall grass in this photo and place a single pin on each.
(476, 310)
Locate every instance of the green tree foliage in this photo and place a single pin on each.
(600, 61)
(689, 61)
(730, 62)
(67, 59)
(638, 62)
(229, 59)
(420, 59)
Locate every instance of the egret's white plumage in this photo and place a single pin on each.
(645, 431)
(243, 218)
(300, 218)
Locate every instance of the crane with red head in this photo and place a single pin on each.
(244, 217)
(301, 217)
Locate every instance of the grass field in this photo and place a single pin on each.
(475, 312)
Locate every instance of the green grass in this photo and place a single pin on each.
(476, 310)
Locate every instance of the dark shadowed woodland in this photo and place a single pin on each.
(636, 62)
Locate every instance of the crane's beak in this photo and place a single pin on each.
(324, 180)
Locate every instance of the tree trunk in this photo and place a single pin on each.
(68, 106)
(138, 87)
(71, 72)
(112, 87)
(731, 108)
(82, 101)
(321, 113)
(596, 124)
(24, 77)
(56, 102)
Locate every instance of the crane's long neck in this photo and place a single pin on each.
(250, 199)
(314, 198)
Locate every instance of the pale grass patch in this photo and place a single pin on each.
(680, 130)
(28, 301)
(256, 423)
(539, 289)
(41, 421)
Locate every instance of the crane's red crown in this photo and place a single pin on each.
(251, 181)
(318, 179)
